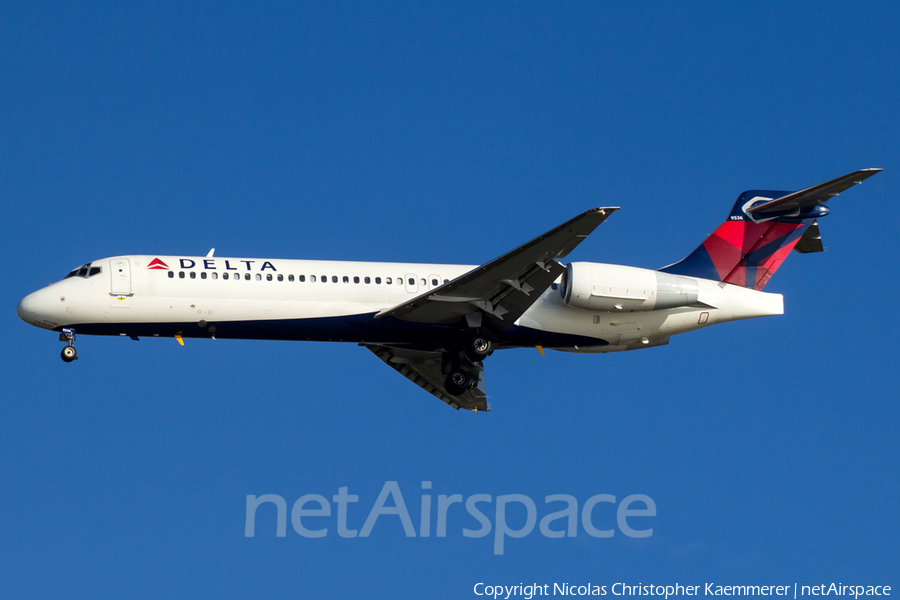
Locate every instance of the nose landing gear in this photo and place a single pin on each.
(68, 353)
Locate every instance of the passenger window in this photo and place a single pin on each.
(446, 281)
(324, 278)
(399, 281)
(280, 277)
(193, 275)
(247, 276)
(290, 277)
(258, 277)
(215, 275)
(334, 279)
(346, 279)
(171, 274)
(412, 281)
(434, 282)
(367, 280)
(202, 274)
(180, 274)
(224, 275)
(303, 278)
(388, 281)
(268, 277)
(378, 280)
(356, 279)
(422, 281)
(312, 278)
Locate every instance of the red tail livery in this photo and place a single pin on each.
(762, 228)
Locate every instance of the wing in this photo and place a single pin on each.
(816, 194)
(500, 291)
(425, 370)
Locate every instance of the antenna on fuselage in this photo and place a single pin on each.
(210, 253)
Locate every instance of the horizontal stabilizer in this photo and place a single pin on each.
(816, 194)
(811, 240)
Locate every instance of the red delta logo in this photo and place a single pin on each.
(158, 264)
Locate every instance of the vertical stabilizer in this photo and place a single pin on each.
(760, 231)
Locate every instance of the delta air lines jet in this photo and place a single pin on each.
(436, 324)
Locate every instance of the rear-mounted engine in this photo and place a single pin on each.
(595, 286)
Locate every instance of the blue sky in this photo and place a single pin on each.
(445, 133)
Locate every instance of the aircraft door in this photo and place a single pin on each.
(411, 282)
(120, 275)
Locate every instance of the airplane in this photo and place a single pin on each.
(435, 324)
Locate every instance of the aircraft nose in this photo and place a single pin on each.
(26, 309)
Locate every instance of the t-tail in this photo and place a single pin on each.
(761, 229)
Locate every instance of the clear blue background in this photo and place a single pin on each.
(445, 133)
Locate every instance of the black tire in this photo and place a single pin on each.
(69, 353)
(458, 381)
(478, 348)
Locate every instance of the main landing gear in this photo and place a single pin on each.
(68, 353)
(478, 348)
(459, 377)
(458, 381)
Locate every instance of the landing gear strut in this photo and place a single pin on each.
(68, 353)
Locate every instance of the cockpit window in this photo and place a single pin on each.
(84, 271)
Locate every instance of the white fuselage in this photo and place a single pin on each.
(194, 297)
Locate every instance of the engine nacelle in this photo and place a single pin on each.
(595, 286)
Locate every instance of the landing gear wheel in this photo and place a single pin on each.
(69, 353)
(457, 382)
(478, 348)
